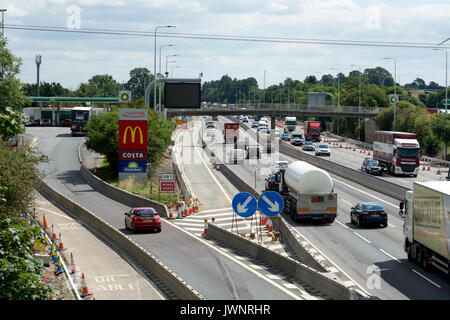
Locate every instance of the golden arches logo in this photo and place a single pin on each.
(133, 134)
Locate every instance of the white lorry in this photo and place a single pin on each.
(308, 193)
(290, 123)
(426, 228)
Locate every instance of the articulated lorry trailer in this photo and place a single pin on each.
(399, 152)
(308, 193)
(426, 229)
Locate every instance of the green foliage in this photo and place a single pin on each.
(11, 93)
(431, 144)
(11, 123)
(139, 78)
(18, 175)
(103, 137)
(46, 89)
(20, 274)
(99, 86)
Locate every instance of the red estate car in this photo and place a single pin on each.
(142, 218)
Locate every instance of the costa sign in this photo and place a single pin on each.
(132, 155)
(132, 135)
(133, 114)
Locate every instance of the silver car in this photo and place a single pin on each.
(322, 150)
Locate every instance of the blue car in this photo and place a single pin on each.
(368, 213)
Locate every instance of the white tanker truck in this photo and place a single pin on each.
(308, 193)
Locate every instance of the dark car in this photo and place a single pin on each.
(215, 118)
(269, 148)
(285, 136)
(273, 182)
(142, 218)
(66, 122)
(372, 166)
(368, 213)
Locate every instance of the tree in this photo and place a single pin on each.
(11, 123)
(99, 86)
(441, 128)
(46, 89)
(379, 76)
(311, 80)
(139, 79)
(11, 91)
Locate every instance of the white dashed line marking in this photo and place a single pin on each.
(427, 279)
(389, 255)
(362, 237)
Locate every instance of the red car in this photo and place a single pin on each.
(142, 218)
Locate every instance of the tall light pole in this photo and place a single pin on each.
(38, 64)
(167, 58)
(339, 95)
(172, 70)
(359, 97)
(395, 86)
(159, 72)
(3, 23)
(154, 65)
(446, 86)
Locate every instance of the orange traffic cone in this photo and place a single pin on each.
(213, 220)
(84, 288)
(196, 205)
(44, 222)
(73, 267)
(60, 242)
(368, 153)
(439, 170)
(423, 168)
(191, 207)
(428, 168)
(205, 231)
(53, 233)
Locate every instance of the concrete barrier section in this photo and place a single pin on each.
(170, 279)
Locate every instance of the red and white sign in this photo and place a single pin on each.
(167, 186)
(231, 130)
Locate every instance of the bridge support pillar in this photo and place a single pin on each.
(370, 126)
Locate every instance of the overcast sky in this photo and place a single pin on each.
(71, 58)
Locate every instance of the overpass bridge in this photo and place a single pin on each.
(274, 110)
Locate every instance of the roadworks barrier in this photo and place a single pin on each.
(170, 279)
(324, 282)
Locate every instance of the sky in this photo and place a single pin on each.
(72, 58)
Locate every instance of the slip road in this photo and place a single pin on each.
(262, 309)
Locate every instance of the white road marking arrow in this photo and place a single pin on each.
(241, 208)
(274, 207)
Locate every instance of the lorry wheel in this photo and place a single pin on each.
(409, 253)
(423, 260)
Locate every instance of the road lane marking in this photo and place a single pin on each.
(243, 265)
(215, 210)
(55, 213)
(342, 224)
(389, 255)
(427, 279)
(347, 202)
(362, 237)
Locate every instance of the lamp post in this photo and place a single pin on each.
(359, 97)
(172, 70)
(395, 86)
(38, 60)
(154, 65)
(159, 72)
(3, 23)
(446, 85)
(339, 95)
(167, 58)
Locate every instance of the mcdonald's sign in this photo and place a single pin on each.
(132, 135)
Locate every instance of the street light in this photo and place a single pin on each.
(167, 58)
(395, 85)
(359, 97)
(154, 65)
(38, 60)
(3, 23)
(172, 70)
(339, 94)
(159, 84)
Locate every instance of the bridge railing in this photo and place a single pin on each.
(240, 108)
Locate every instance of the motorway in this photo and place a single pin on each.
(356, 251)
(216, 273)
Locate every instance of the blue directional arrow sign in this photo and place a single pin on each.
(244, 204)
(270, 203)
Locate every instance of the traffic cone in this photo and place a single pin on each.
(196, 205)
(213, 220)
(73, 267)
(185, 209)
(364, 150)
(360, 151)
(60, 242)
(263, 221)
(59, 268)
(368, 153)
(423, 168)
(84, 288)
(180, 209)
(53, 233)
(205, 231)
(191, 207)
(439, 170)
(428, 168)
(44, 222)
